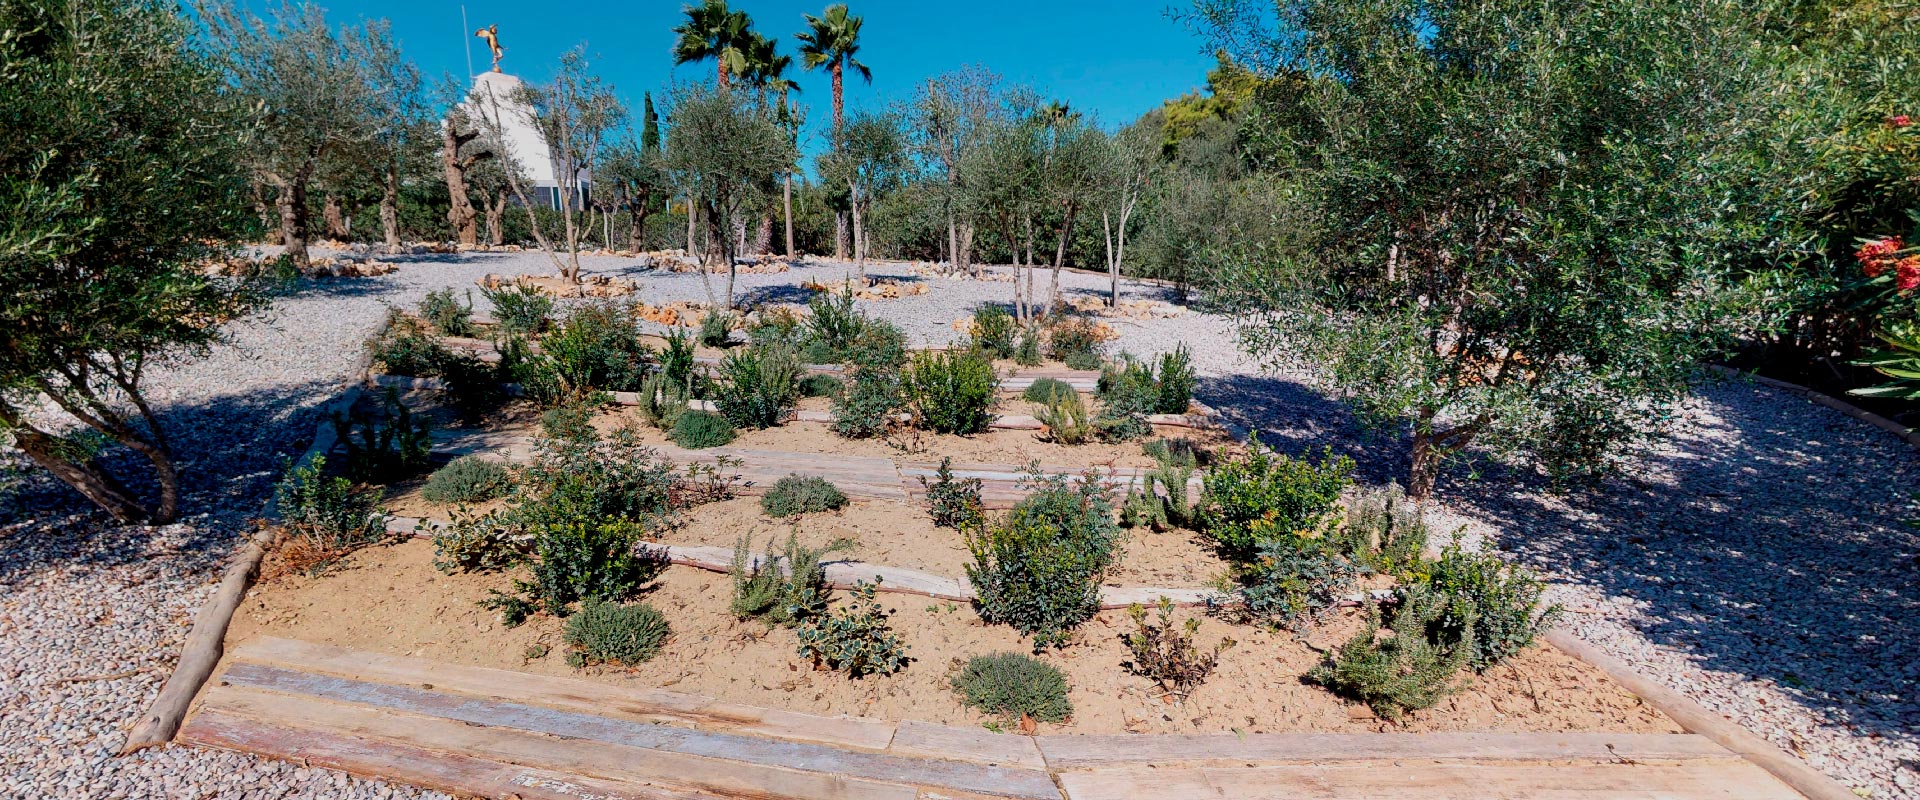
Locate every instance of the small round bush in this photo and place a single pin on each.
(616, 633)
(467, 479)
(1011, 685)
(1044, 390)
(794, 494)
(821, 386)
(698, 430)
(571, 422)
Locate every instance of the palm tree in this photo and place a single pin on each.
(712, 31)
(832, 40)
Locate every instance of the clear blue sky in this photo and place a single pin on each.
(1116, 59)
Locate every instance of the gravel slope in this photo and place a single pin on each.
(1755, 562)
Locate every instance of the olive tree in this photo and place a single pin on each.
(726, 151)
(1003, 183)
(1517, 224)
(120, 172)
(574, 113)
(310, 92)
(402, 140)
(870, 158)
(948, 115)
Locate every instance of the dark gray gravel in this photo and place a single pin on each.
(1755, 562)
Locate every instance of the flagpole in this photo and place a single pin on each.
(466, 41)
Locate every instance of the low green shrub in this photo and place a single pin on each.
(1160, 500)
(1039, 567)
(447, 314)
(1114, 427)
(1044, 390)
(1011, 686)
(1026, 352)
(698, 430)
(519, 309)
(780, 588)
(1067, 419)
(328, 510)
(854, 637)
(1291, 581)
(477, 544)
(662, 400)
(716, 329)
(1076, 342)
(468, 479)
(1128, 386)
(775, 325)
(794, 495)
(1404, 671)
(616, 633)
(821, 386)
(1384, 532)
(757, 386)
(871, 404)
(1175, 382)
(571, 420)
(614, 478)
(403, 348)
(1492, 608)
(1264, 494)
(951, 392)
(575, 561)
(993, 331)
(393, 446)
(677, 360)
(1164, 651)
(879, 344)
(953, 502)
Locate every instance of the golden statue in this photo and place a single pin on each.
(491, 33)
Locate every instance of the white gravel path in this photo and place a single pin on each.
(1754, 562)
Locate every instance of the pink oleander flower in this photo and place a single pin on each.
(1906, 276)
(1900, 120)
(1876, 257)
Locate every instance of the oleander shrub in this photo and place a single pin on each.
(677, 361)
(794, 495)
(596, 348)
(1045, 390)
(780, 588)
(757, 386)
(1263, 494)
(1039, 567)
(821, 386)
(446, 314)
(833, 327)
(854, 637)
(1384, 531)
(951, 392)
(1400, 671)
(871, 404)
(1165, 651)
(1077, 342)
(616, 633)
(468, 479)
(327, 510)
(390, 446)
(1175, 382)
(716, 329)
(698, 430)
(519, 310)
(1013, 685)
(1492, 608)
(953, 502)
(571, 420)
(575, 561)
(1067, 418)
(994, 331)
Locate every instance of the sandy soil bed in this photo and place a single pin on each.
(389, 598)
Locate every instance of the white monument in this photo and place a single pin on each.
(498, 102)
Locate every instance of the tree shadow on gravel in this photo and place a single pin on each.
(778, 293)
(1765, 541)
(231, 451)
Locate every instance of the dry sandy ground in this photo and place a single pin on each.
(389, 598)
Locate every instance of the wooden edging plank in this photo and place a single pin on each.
(394, 760)
(740, 753)
(565, 755)
(655, 706)
(1401, 780)
(1806, 780)
(1227, 749)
